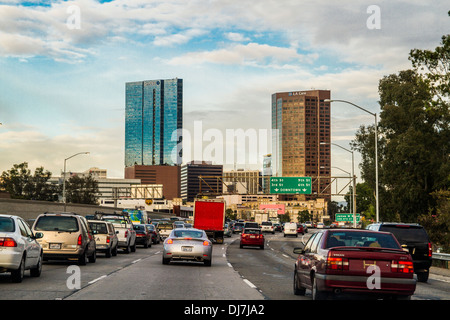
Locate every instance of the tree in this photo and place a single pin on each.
(414, 136)
(20, 184)
(304, 216)
(82, 190)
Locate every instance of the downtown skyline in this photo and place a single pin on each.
(62, 90)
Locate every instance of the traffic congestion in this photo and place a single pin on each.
(329, 263)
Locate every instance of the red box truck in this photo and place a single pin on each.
(209, 215)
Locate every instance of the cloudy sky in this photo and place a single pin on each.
(64, 64)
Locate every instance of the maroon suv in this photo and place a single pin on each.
(354, 262)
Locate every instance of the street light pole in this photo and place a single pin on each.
(377, 206)
(353, 179)
(64, 177)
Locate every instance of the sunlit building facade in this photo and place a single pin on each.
(153, 122)
(301, 138)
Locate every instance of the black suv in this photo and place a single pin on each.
(413, 237)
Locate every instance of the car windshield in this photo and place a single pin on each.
(139, 227)
(98, 228)
(7, 224)
(361, 239)
(56, 223)
(266, 223)
(407, 233)
(180, 233)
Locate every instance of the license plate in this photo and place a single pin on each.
(252, 237)
(186, 249)
(55, 246)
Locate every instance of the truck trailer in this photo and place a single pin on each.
(209, 215)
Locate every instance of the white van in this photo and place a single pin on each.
(290, 228)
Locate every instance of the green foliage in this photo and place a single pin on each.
(81, 190)
(20, 184)
(414, 138)
(304, 216)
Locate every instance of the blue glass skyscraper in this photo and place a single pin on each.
(153, 122)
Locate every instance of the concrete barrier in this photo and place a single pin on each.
(30, 209)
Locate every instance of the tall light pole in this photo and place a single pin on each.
(377, 206)
(353, 179)
(64, 177)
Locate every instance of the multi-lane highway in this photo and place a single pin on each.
(236, 274)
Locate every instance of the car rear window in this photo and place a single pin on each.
(361, 239)
(179, 233)
(99, 228)
(7, 224)
(406, 233)
(252, 231)
(56, 223)
(266, 223)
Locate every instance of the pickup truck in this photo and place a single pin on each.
(126, 234)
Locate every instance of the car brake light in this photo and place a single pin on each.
(8, 242)
(108, 239)
(80, 239)
(169, 241)
(126, 233)
(205, 243)
(402, 266)
(334, 263)
(430, 249)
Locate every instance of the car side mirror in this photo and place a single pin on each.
(38, 235)
(299, 250)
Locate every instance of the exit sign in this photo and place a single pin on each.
(290, 185)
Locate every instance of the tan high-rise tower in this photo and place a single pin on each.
(300, 122)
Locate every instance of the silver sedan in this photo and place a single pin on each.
(187, 244)
(19, 250)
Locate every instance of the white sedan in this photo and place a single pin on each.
(19, 250)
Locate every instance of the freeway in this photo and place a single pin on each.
(236, 274)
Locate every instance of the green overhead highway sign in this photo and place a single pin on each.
(290, 185)
(347, 217)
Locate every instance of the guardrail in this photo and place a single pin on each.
(441, 259)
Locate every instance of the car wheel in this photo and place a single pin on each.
(93, 257)
(298, 290)
(36, 271)
(82, 260)
(165, 260)
(133, 247)
(423, 276)
(316, 293)
(114, 252)
(208, 263)
(108, 253)
(17, 275)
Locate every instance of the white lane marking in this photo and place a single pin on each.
(251, 285)
(99, 278)
(136, 260)
(229, 264)
(284, 255)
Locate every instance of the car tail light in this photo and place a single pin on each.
(169, 241)
(205, 243)
(402, 266)
(335, 263)
(126, 233)
(80, 239)
(8, 242)
(108, 239)
(430, 249)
